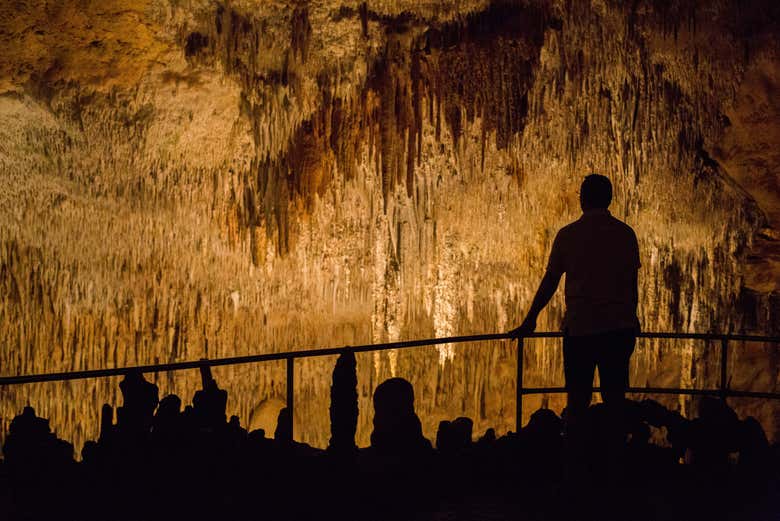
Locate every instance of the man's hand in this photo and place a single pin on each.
(526, 328)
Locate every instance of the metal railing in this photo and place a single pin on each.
(723, 390)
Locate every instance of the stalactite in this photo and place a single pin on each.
(410, 198)
(301, 33)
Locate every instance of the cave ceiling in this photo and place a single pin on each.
(199, 74)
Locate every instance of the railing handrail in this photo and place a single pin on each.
(331, 351)
(290, 356)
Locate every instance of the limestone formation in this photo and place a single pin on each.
(189, 179)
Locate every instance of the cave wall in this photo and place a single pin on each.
(199, 179)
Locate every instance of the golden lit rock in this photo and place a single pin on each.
(200, 179)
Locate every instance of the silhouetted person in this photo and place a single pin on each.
(600, 257)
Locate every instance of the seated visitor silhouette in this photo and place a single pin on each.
(600, 256)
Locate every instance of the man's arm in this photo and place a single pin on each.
(635, 278)
(543, 295)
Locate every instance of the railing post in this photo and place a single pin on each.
(724, 358)
(290, 392)
(519, 389)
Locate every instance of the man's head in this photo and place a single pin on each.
(595, 192)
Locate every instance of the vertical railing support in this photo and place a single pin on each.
(724, 359)
(290, 392)
(519, 390)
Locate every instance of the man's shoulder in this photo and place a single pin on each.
(625, 227)
(605, 223)
(621, 224)
(569, 228)
(567, 232)
(624, 235)
(581, 224)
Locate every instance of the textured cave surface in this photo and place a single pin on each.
(187, 179)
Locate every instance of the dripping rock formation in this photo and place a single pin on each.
(205, 178)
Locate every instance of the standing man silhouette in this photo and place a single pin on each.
(600, 257)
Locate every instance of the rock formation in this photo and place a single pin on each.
(188, 179)
(344, 406)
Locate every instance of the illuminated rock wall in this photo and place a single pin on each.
(258, 178)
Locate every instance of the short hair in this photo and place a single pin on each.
(596, 191)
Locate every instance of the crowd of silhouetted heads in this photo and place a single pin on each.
(157, 460)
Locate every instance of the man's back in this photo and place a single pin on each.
(600, 257)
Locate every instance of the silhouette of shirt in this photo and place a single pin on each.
(600, 257)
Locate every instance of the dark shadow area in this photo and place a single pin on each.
(157, 460)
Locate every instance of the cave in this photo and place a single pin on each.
(204, 179)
